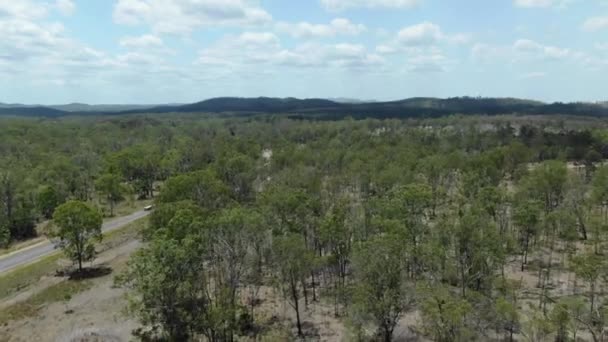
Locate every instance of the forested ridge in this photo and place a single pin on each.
(418, 107)
(459, 228)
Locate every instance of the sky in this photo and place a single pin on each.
(180, 51)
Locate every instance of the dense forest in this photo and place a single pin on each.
(447, 229)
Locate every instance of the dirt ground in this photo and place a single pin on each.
(96, 313)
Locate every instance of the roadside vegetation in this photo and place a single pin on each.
(25, 277)
(28, 275)
(451, 229)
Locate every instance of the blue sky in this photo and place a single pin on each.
(159, 51)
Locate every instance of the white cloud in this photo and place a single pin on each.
(23, 38)
(344, 55)
(532, 75)
(526, 45)
(428, 34)
(136, 58)
(485, 53)
(22, 9)
(433, 62)
(459, 38)
(345, 26)
(561, 4)
(425, 33)
(595, 24)
(37, 51)
(256, 52)
(525, 51)
(530, 48)
(534, 3)
(602, 46)
(144, 41)
(421, 46)
(338, 26)
(340, 5)
(590, 62)
(258, 38)
(386, 49)
(184, 16)
(65, 7)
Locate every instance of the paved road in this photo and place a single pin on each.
(34, 252)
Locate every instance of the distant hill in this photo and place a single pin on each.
(418, 106)
(349, 100)
(256, 105)
(328, 109)
(83, 107)
(32, 112)
(14, 105)
(427, 106)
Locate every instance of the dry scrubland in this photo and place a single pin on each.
(269, 229)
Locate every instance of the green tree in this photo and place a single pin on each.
(508, 316)
(478, 250)
(381, 291)
(16, 207)
(560, 317)
(567, 317)
(599, 190)
(293, 262)
(411, 204)
(578, 203)
(48, 199)
(537, 328)
(230, 235)
(336, 237)
(202, 187)
(527, 218)
(445, 314)
(547, 183)
(110, 186)
(435, 171)
(590, 267)
(167, 280)
(138, 164)
(5, 235)
(77, 226)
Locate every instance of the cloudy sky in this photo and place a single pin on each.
(158, 51)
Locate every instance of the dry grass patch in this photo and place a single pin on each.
(55, 293)
(22, 277)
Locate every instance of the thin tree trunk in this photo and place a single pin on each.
(304, 290)
(592, 296)
(314, 292)
(525, 258)
(294, 294)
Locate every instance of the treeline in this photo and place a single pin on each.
(321, 109)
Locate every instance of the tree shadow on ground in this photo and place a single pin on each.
(85, 273)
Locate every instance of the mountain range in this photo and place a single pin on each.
(324, 108)
(81, 107)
